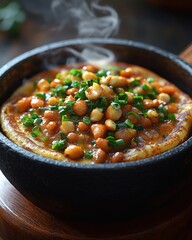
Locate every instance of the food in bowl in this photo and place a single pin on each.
(93, 114)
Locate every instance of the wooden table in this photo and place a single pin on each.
(21, 220)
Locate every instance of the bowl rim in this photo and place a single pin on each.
(170, 154)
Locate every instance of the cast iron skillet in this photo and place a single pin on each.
(96, 191)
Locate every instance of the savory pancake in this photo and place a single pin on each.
(94, 114)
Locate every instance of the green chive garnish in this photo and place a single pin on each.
(35, 131)
(135, 83)
(76, 72)
(67, 81)
(132, 113)
(101, 73)
(27, 121)
(139, 128)
(59, 145)
(81, 94)
(41, 95)
(115, 143)
(65, 118)
(116, 106)
(150, 79)
(171, 116)
(74, 118)
(145, 87)
(87, 120)
(38, 121)
(129, 124)
(89, 154)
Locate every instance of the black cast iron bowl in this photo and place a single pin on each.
(104, 191)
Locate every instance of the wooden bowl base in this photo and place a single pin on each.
(21, 220)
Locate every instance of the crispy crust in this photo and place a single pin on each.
(15, 131)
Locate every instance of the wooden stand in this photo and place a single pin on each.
(21, 220)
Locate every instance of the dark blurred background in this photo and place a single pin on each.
(28, 24)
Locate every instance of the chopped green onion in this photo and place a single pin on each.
(89, 154)
(138, 98)
(121, 125)
(88, 83)
(139, 128)
(129, 124)
(115, 105)
(81, 94)
(144, 114)
(161, 119)
(150, 80)
(74, 118)
(132, 113)
(111, 141)
(145, 87)
(59, 91)
(67, 81)
(102, 103)
(34, 115)
(123, 102)
(65, 118)
(62, 110)
(85, 84)
(91, 105)
(49, 80)
(76, 72)
(101, 73)
(162, 109)
(62, 136)
(54, 107)
(87, 120)
(35, 131)
(153, 93)
(38, 121)
(119, 101)
(75, 84)
(41, 95)
(171, 116)
(116, 143)
(138, 103)
(135, 83)
(59, 145)
(61, 101)
(69, 106)
(120, 143)
(59, 76)
(122, 96)
(27, 121)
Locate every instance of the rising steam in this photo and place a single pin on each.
(88, 18)
(93, 54)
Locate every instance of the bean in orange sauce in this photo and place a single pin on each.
(98, 113)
